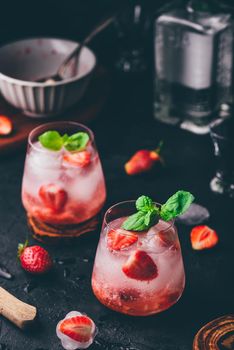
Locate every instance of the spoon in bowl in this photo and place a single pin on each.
(59, 75)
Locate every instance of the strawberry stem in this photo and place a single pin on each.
(21, 247)
(159, 148)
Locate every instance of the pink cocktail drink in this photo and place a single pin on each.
(137, 273)
(62, 187)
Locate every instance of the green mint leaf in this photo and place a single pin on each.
(65, 138)
(151, 218)
(51, 140)
(140, 221)
(144, 203)
(76, 142)
(135, 222)
(176, 205)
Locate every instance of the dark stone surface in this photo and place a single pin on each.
(125, 125)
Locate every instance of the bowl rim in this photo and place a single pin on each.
(39, 84)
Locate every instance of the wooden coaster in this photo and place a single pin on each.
(55, 234)
(216, 335)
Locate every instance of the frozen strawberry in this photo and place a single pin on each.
(5, 125)
(53, 197)
(120, 239)
(140, 266)
(78, 328)
(203, 237)
(143, 161)
(80, 159)
(76, 331)
(34, 259)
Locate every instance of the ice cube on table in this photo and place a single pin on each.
(67, 342)
(196, 214)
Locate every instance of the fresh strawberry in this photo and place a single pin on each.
(120, 239)
(5, 125)
(203, 237)
(34, 259)
(140, 266)
(80, 159)
(79, 328)
(143, 161)
(53, 197)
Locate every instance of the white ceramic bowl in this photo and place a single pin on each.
(22, 62)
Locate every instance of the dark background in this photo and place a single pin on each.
(125, 125)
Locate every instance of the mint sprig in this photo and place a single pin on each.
(146, 216)
(54, 141)
(148, 213)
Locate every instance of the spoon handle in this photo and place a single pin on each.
(15, 310)
(76, 52)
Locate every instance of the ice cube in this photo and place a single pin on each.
(67, 342)
(159, 238)
(44, 158)
(196, 214)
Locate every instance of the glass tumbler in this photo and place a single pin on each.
(137, 273)
(62, 191)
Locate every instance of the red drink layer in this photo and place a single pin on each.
(143, 278)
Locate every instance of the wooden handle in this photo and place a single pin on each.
(15, 310)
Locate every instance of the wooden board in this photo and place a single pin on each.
(216, 335)
(85, 111)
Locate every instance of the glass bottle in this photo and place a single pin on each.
(193, 63)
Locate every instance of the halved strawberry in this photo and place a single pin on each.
(80, 159)
(5, 125)
(79, 328)
(140, 266)
(120, 239)
(53, 196)
(203, 237)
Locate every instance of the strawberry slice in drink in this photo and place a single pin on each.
(120, 239)
(140, 266)
(53, 196)
(79, 159)
(203, 237)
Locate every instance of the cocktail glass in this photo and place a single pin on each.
(143, 278)
(62, 199)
